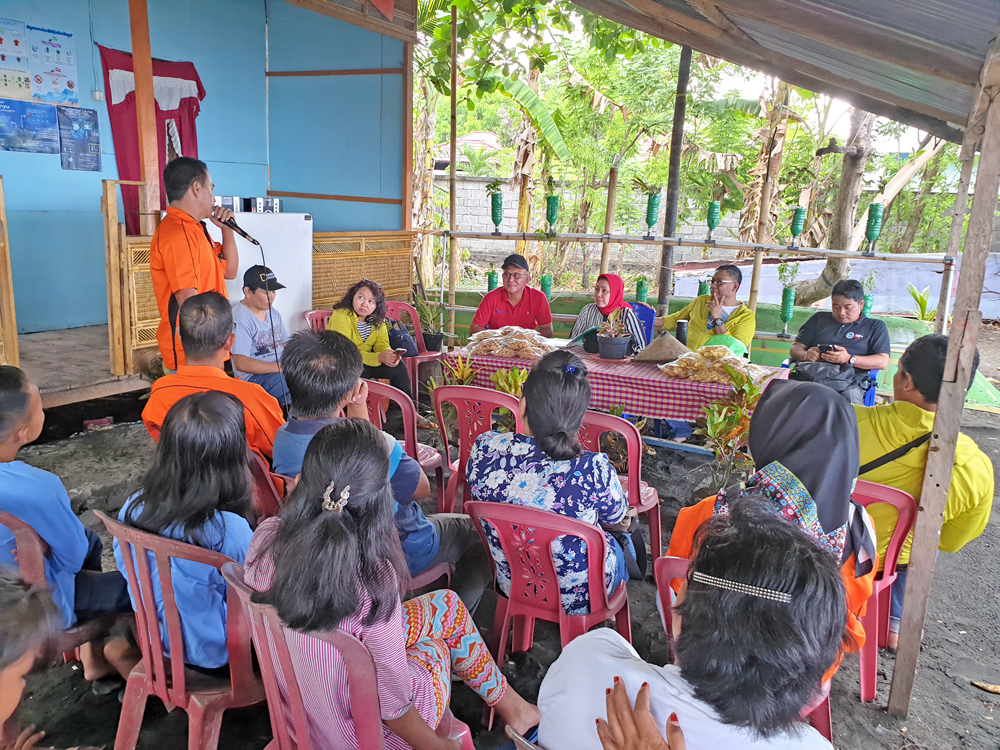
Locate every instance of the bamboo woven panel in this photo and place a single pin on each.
(340, 260)
(145, 316)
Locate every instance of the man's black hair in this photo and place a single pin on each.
(13, 398)
(206, 321)
(924, 361)
(180, 174)
(733, 271)
(850, 288)
(320, 368)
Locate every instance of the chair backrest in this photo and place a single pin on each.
(317, 319)
(475, 407)
(646, 316)
(395, 309)
(595, 424)
(378, 391)
(870, 493)
(276, 664)
(666, 570)
(267, 498)
(30, 549)
(526, 536)
(136, 548)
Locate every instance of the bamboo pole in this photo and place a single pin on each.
(8, 314)
(453, 148)
(609, 219)
(145, 112)
(666, 269)
(954, 243)
(948, 418)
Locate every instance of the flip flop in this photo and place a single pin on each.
(107, 685)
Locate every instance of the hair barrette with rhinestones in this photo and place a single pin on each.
(339, 504)
(742, 588)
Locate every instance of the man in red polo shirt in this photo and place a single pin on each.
(515, 303)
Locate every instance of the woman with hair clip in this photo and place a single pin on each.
(546, 468)
(804, 443)
(198, 490)
(332, 560)
(755, 625)
(360, 316)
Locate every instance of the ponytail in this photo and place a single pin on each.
(556, 396)
(337, 536)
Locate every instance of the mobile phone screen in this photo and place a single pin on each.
(400, 352)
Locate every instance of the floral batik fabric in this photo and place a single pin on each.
(511, 468)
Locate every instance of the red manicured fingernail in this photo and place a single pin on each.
(645, 684)
(673, 719)
(616, 679)
(607, 691)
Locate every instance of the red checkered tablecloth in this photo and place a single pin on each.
(640, 388)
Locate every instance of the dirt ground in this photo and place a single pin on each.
(961, 642)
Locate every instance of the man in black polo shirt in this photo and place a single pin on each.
(847, 337)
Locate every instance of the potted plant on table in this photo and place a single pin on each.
(430, 325)
(613, 337)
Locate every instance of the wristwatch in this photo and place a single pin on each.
(852, 360)
(716, 322)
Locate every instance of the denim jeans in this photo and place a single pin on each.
(274, 384)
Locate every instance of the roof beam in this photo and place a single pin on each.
(987, 88)
(676, 27)
(851, 34)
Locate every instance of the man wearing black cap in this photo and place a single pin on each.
(260, 334)
(514, 303)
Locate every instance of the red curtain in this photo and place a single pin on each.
(177, 88)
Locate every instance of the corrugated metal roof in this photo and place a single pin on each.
(916, 61)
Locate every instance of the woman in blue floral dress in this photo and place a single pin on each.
(547, 469)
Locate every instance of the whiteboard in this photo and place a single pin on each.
(287, 243)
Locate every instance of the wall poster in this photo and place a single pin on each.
(52, 66)
(28, 127)
(79, 139)
(15, 82)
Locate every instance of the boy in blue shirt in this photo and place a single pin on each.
(323, 373)
(260, 334)
(73, 561)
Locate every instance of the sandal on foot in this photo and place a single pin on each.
(107, 685)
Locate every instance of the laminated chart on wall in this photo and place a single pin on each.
(15, 81)
(28, 127)
(52, 66)
(79, 139)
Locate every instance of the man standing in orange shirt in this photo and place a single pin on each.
(183, 259)
(206, 328)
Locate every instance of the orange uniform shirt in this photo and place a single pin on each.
(181, 256)
(689, 520)
(262, 412)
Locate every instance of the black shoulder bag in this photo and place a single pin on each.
(893, 455)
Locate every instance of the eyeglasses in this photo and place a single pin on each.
(720, 282)
(514, 276)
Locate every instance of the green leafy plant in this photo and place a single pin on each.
(727, 429)
(787, 272)
(461, 372)
(479, 162)
(429, 314)
(494, 186)
(614, 327)
(922, 298)
(508, 381)
(646, 186)
(868, 281)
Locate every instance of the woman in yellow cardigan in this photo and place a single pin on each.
(360, 316)
(716, 314)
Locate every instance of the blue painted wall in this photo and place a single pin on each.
(327, 135)
(336, 135)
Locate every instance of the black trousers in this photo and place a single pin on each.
(98, 593)
(398, 376)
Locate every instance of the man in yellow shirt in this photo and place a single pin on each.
(716, 314)
(884, 429)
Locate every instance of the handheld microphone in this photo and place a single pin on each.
(231, 223)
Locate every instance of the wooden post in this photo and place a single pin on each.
(407, 219)
(666, 270)
(8, 316)
(954, 244)
(453, 146)
(948, 420)
(944, 297)
(112, 260)
(145, 110)
(609, 218)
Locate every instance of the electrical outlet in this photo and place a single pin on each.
(98, 95)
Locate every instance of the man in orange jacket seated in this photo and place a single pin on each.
(206, 328)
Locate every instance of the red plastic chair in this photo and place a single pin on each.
(475, 407)
(427, 456)
(203, 698)
(267, 496)
(394, 310)
(317, 319)
(641, 496)
(876, 618)
(289, 721)
(666, 570)
(526, 536)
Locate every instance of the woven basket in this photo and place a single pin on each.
(342, 259)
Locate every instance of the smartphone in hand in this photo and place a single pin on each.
(400, 352)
